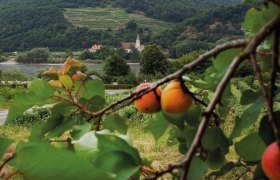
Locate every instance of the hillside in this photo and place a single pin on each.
(112, 18)
(77, 24)
(204, 30)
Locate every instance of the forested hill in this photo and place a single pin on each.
(204, 30)
(42, 23)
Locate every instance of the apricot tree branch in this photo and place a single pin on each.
(268, 100)
(250, 48)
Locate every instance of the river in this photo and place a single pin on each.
(31, 70)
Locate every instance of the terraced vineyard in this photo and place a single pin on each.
(113, 18)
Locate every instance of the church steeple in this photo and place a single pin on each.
(137, 44)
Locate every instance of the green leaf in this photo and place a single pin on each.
(255, 20)
(197, 169)
(248, 117)
(250, 148)
(225, 169)
(172, 138)
(258, 173)
(213, 139)
(249, 96)
(87, 145)
(95, 103)
(252, 21)
(56, 118)
(225, 58)
(215, 159)
(66, 81)
(110, 142)
(92, 88)
(36, 132)
(38, 93)
(194, 115)
(119, 163)
(158, 126)
(265, 129)
(115, 123)
(59, 130)
(188, 135)
(44, 162)
(79, 130)
(4, 144)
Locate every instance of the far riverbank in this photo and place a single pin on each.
(31, 70)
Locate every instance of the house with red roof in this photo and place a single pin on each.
(128, 46)
(95, 47)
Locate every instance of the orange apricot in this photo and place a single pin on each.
(271, 161)
(175, 101)
(149, 102)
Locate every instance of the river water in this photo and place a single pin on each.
(31, 70)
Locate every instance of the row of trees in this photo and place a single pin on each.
(152, 61)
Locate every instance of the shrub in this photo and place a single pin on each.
(36, 55)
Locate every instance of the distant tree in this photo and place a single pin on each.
(153, 60)
(134, 55)
(185, 47)
(115, 66)
(131, 25)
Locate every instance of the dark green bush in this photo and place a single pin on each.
(36, 55)
(30, 118)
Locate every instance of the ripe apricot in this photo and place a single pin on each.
(175, 101)
(271, 161)
(150, 102)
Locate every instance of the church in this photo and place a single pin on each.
(128, 46)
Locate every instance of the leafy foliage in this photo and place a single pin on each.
(153, 60)
(115, 66)
(93, 133)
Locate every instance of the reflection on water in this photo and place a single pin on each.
(31, 70)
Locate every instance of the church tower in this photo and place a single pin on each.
(137, 44)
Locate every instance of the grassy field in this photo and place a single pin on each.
(113, 18)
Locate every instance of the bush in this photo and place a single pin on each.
(30, 118)
(87, 55)
(129, 79)
(36, 55)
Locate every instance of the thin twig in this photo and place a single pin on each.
(266, 96)
(215, 115)
(244, 173)
(6, 161)
(98, 123)
(264, 53)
